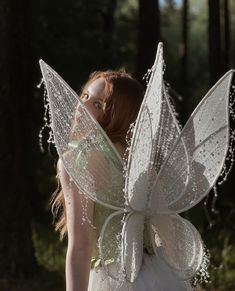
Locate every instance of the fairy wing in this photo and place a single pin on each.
(167, 132)
(87, 153)
(132, 245)
(154, 134)
(110, 243)
(121, 241)
(178, 242)
(197, 158)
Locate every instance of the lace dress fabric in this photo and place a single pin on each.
(154, 273)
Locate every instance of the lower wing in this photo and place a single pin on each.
(178, 242)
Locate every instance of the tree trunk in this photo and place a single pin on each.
(16, 249)
(215, 56)
(108, 28)
(184, 43)
(184, 60)
(149, 34)
(226, 36)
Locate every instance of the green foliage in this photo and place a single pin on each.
(219, 240)
(223, 276)
(222, 243)
(49, 250)
(222, 267)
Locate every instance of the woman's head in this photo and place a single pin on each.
(113, 98)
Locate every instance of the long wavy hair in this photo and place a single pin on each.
(123, 97)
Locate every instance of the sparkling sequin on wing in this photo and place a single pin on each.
(71, 121)
(206, 137)
(178, 242)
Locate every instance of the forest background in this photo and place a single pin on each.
(77, 37)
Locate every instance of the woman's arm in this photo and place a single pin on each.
(80, 242)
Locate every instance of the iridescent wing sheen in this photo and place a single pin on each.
(178, 242)
(196, 160)
(154, 133)
(88, 155)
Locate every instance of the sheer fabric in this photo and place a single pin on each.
(154, 275)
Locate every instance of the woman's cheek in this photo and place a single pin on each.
(94, 113)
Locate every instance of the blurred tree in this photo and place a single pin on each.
(184, 42)
(149, 34)
(226, 35)
(184, 58)
(108, 13)
(215, 56)
(16, 248)
(171, 36)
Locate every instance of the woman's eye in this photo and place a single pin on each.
(98, 105)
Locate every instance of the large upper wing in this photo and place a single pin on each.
(87, 153)
(167, 132)
(154, 134)
(197, 158)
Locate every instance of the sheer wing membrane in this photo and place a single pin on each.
(139, 167)
(187, 175)
(121, 245)
(81, 142)
(178, 242)
(132, 245)
(155, 133)
(138, 175)
(167, 132)
(110, 245)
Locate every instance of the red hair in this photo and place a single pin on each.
(123, 96)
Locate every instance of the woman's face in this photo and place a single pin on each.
(93, 98)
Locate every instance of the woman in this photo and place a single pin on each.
(113, 99)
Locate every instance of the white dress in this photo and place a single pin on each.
(154, 275)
